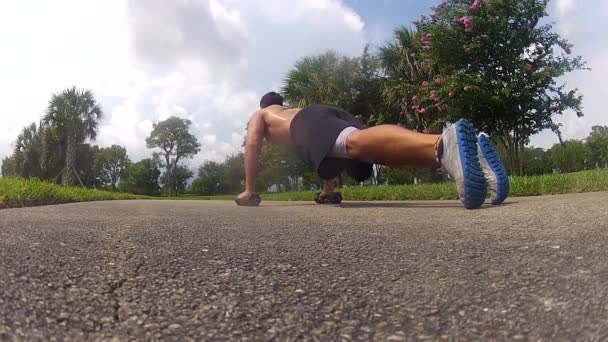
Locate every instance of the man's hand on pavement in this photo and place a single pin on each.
(248, 199)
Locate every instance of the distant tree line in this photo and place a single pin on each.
(58, 150)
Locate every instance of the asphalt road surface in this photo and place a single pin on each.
(532, 269)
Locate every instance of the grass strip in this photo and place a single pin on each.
(553, 184)
(19, 192)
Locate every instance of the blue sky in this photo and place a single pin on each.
(383, 16)
(210, 60)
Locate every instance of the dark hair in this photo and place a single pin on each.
(270, 99)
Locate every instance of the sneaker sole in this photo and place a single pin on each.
(475, 187)
(500, 173)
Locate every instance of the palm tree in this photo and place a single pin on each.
(323, 79)
(74, 116)
(403, 71)
(52, 157)
(28, 149)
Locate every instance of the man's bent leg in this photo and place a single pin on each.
(455, 151)
(393, 145)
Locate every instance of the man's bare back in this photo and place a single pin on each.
(277, 120)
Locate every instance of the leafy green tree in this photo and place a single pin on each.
(571, 156)
(73, 116)
(536, 161)
(235, 173)
(175, 142)
(598, 146)
(8, 167)
(109, 166)
(178, 180)
(403, 175)
(141, 178)
(210, 179)
(220, 178)
(85, 164)
(280, 167)
(499, 66)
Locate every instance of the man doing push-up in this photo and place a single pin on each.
(331, 141)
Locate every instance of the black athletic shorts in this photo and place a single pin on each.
(314, 131)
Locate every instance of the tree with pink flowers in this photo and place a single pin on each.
(494, 62)
(409, 81)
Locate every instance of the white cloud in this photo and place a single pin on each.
(205, 60)
(579, 25)
(565, 11)
(564, 6)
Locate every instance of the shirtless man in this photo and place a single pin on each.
(332, 141)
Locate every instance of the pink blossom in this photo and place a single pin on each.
(475, 6)
(415, 108)
(425, 39)
(433, 15)
(466, 21)
(422, 110)
(415, 98)
(451, 94)
(422, 18)
(438, 80)
(425, 84)
(434, 96)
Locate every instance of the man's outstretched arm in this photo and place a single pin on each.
(253, 146)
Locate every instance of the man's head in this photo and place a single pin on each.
(270, 99)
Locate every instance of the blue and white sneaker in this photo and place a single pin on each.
(493, 169)
(459, 158)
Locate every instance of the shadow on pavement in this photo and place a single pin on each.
(282, 204)
(357, 205)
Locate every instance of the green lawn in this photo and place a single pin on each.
(586, 181)
(17, 192)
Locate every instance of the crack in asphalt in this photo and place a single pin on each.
(115, 287)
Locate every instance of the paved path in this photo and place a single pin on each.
(532, 269)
